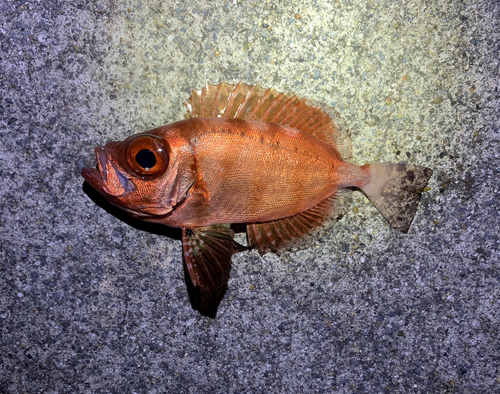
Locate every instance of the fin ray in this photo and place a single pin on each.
(279, 234)
(395, 190)
(207, 253)
(268, 105)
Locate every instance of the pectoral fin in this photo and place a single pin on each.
(207, 254)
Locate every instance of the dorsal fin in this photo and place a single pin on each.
(268, 105)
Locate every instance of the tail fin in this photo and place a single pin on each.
(395, 190)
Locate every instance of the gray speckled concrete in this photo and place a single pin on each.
(93, 304)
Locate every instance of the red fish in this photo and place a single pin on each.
(277, 163)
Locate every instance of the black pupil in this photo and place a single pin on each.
(146, 159)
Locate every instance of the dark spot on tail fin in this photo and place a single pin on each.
(410, 176)
(395, 189)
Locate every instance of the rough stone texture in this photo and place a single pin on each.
(93, 304)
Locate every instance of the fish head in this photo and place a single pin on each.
(141, 175)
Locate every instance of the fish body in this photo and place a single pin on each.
(250, 171)
(249, 155)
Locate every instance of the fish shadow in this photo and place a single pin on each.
(153, 228)
(204, 301)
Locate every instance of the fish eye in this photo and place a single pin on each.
(147, 155)
(146, 159)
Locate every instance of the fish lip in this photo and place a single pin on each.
(93, 176)
(101, 162)
(97, 176)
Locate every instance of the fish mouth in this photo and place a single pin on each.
(98, 177)
(93, 176)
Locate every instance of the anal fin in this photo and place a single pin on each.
(279, 234)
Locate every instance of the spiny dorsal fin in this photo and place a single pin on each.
(268, 105)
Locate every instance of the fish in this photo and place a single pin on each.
(276, 163)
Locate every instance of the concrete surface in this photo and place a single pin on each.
(93, 303)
